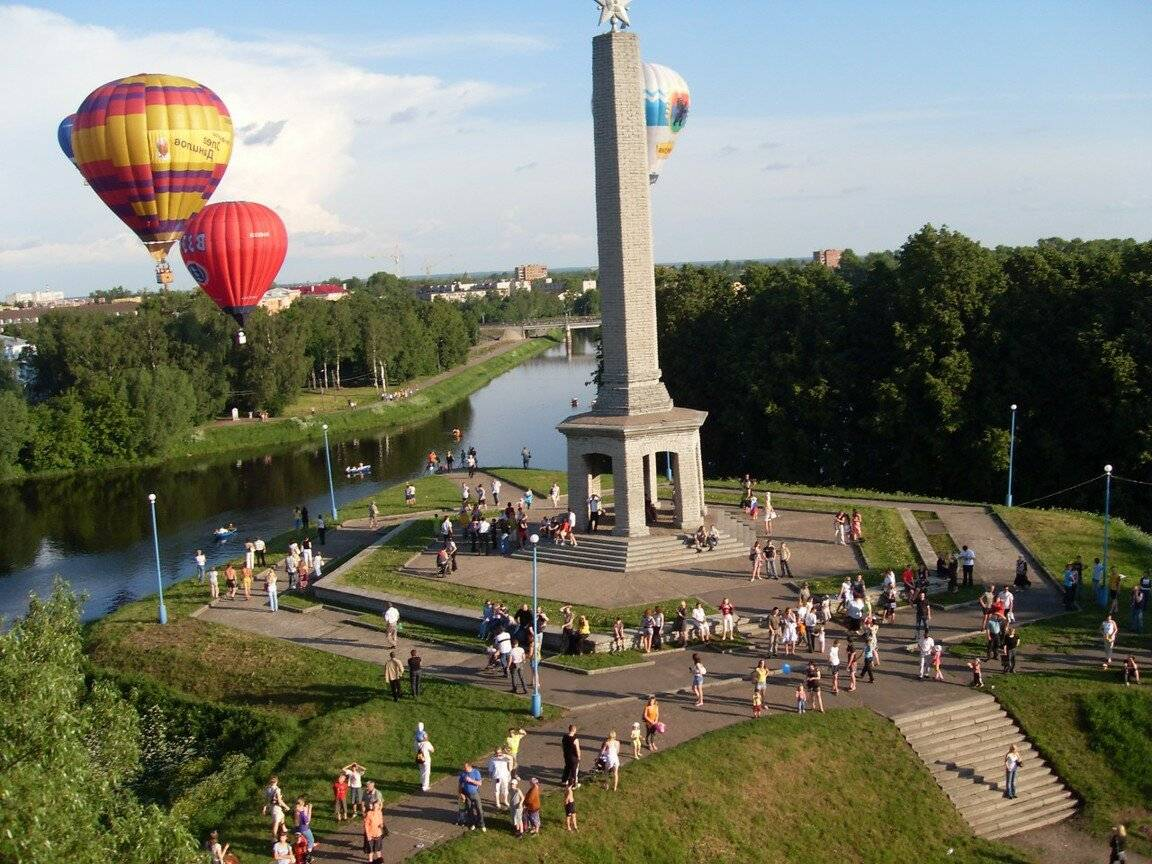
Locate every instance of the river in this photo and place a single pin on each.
(95, 530)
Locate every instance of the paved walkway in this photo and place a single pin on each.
(600, 703)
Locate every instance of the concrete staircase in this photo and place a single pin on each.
(963, 744)
(619, 554)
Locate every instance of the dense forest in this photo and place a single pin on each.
(110, 389)
(896, 371)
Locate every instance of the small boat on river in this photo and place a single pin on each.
(358, 470)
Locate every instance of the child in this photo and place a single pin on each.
(1131, 671)
(977, 675)
(801, 699)
(757, 704)
(570, 805)
(819, 638)
(637, 740)
(461, 809)
(937, 656)
(618, 635)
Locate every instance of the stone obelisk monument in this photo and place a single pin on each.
(633, 418)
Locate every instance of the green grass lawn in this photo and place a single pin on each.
(541, 479)
(337, 701)
(380, 571)
(780, 789)
(1096, 734)
(886, 543)
(941, 541)
(1056, 537)
(433, 492)
(825, 491)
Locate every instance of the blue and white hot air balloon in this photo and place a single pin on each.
(64, 137)
(666, 104)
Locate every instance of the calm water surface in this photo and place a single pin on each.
(95, 530)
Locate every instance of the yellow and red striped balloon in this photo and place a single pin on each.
(154, 148)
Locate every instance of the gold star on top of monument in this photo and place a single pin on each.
(612, 11)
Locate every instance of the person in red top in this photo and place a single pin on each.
(300, 849)
(340, 796)
(727, 619)
(908, 577)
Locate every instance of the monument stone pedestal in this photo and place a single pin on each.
(633, 418)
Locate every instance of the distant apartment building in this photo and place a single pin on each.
(31, 314)
(458, 292)
(829, 258)
(531, 272)
(35, 298)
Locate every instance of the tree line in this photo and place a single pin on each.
(110, 389)
(896, 371)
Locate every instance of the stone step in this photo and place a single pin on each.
(1005, 815)
(1050, 817)
(618, 555)
(975, 809)
(943, 716)
(962, 742)
(955, 725)
(1028, 785)
(902, 720)
(963, 745)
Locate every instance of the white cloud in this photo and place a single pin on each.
(311, 123)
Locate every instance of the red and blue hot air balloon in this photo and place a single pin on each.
(234, 250)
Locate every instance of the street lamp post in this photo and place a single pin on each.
(331, 488)
(156, 549)
(1011, 453)
(537, 706)
(1107, 518)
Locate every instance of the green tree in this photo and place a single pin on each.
(57, 725)
(15, 432)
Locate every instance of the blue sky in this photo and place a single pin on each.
(456, 135)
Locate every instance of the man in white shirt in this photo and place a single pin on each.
(1009, 601)
(391, 623)
(500, 772)
(967, 562)
(503, 642)
(446, 527)
(516, 658)
(261, 552)
(701, 621)
(496, 487)
(201, 562)
(355, 774)
(927, 644)
(485, 531)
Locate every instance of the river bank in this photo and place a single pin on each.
(248, 437)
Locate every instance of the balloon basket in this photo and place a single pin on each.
(241, 339)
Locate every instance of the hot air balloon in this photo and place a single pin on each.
(666, 103)
(154, 148)
(234, 250)
(64, 136)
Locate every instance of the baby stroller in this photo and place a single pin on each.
(600, 765)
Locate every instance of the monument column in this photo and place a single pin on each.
(631, 380)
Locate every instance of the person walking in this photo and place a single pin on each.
(698, 673)
(374, 832)
(610, 755)
(554, 495)
(1118, 845)
(727, 619)
(394, 675)
(834, 665)
(414, 672)
(424, 751)
(1011, 641)
(869, 660)
(652, 724)
(756, 556)
(1108, 631)
(469, 783)
(1011, 766)
(785, 556)
(967, 563)
(516, 659)
(500, 773)
(923, 613)
(516, 807)
(926, 646)
(570, 749)
(812, 684)
(391, 623)
(270, 588)
(532, 806)
(525, 455)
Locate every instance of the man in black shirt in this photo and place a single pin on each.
(414, 662)
(1011, 641)
(570, 747)
(923, 612)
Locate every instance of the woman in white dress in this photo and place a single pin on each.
(611, 753)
